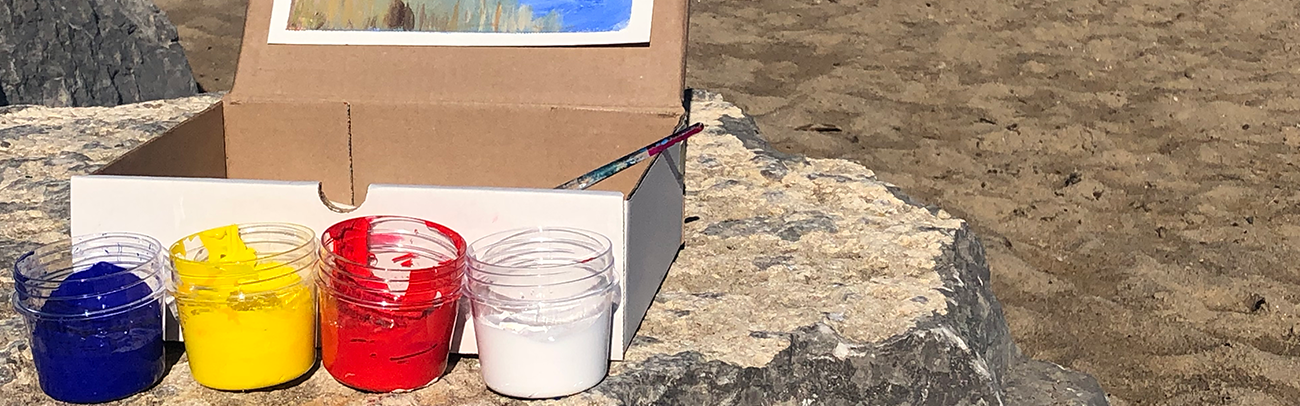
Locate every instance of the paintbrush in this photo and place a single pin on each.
(618, 165)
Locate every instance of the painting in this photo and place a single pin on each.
(461, 22)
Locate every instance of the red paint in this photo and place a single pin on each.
(376, 339)
(384, 350)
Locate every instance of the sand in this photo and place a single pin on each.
(1130, 165)
(211, 31)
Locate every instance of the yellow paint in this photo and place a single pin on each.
(246, 324)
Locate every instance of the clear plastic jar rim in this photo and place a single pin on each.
(458, 242)
(522, 281)
(330, 259)
(193, 291)
(308, 241)
(112, 311)
(449, 297)
(162, 286)
(453, 273)
(604, 245)
(236, 280)
(85, 239)
(453, 284)
(334, 273)
(585, 294)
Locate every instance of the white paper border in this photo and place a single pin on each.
(637, 31)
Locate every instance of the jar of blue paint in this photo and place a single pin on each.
(93, 307)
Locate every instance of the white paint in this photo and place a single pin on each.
(542, 362)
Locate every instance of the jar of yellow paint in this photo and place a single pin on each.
(246, 303)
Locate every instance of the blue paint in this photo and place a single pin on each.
(585, 15)
(99, 336)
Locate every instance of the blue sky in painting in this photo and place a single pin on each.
(585, 15)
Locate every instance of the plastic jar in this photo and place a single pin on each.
(543, 301)
(246, 303)
(389, 290)
(93, 307)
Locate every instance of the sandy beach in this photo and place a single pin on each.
(1129, 165)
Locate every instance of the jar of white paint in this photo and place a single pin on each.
(543, 301)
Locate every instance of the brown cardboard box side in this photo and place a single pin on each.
(500, 146)
(194, 148)
(300, 140)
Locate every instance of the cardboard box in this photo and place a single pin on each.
(470, 137)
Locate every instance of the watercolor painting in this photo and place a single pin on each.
(460, 22)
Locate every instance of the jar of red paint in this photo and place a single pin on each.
(389, 287)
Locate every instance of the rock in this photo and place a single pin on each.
(1032, 382)
(802, 281)
(89, 53)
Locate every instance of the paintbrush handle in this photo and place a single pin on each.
(618, 165)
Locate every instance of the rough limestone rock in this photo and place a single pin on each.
(802, 281)
(89, 53)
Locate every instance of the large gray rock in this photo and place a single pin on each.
(89, 53)
(802, 281)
